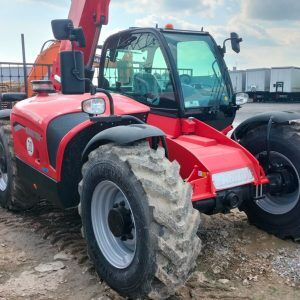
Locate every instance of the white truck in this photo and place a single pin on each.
(238, 79)
(285, 84)
(263, 84)
(258, 84)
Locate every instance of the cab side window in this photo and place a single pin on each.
(135, 66)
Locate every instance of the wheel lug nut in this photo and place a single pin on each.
(116, 205)
(122, 203)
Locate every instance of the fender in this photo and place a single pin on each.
(122, 135)
(262, 119)
(5, 114)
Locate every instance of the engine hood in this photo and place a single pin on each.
(41, 110)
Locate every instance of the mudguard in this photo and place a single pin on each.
(122, 135)
(278, 117)
(5, 114)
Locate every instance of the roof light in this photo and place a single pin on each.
(169, 26)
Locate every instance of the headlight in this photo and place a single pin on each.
(233, 178)
(241, 98)
(94, 106)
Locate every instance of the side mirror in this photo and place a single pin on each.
(235, 42)
(63, 29)
(77, 35)
(241, 98)
(72, 72)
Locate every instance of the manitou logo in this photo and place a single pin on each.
(29, 146)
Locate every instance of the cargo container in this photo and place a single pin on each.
(258, 84)
(285, 79)
(285, 84)
(238, 79)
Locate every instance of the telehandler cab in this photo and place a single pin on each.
(147, 149)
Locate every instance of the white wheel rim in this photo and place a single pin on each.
(117, 252)
(3, 169)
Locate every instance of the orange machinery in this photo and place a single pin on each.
(39, 70)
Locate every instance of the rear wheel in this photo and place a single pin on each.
(138, 220)
(278, 212)
(13, 195)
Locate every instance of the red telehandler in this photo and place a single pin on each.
(146, 149)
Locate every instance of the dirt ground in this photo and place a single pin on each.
(42, 256)
(39, 260)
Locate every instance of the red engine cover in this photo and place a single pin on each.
(30, 119)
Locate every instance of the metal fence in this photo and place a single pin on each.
(14, 77)
(126, 75)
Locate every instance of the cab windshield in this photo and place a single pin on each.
(198, 62)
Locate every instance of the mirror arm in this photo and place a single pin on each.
(229, 39)
(110, 98)
(224, 45)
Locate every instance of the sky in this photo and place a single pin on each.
(269, 28)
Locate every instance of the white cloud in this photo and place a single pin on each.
(267, 40)
(269, 27)
(162, 20)
(204, 8)
(51, 3)
(275, 10)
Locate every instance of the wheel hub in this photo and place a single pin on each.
(120, 221)
(283, 191)
(282, 180)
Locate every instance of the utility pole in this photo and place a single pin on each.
(24, 63)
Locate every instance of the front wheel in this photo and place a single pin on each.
(138, 220)
(279, 210)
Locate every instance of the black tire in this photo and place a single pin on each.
(14, 196)
(166, 224)
(285, 140)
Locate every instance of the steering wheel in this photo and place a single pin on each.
(185, 79)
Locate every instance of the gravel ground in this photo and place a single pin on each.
(252, 109)
(40, 260)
